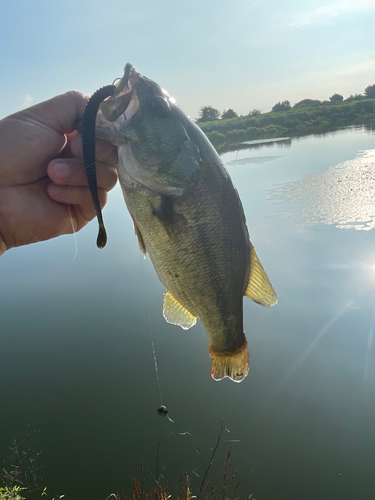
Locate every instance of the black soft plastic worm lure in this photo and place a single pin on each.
(88, 145)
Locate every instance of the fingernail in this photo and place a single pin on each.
(61, 169)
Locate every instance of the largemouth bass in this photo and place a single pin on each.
(187, 216)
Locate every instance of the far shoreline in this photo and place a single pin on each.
(236, 133)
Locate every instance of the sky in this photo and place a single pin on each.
(239, 54)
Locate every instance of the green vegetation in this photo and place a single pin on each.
(229, 113)
(22, 493)
(282, 106)
(13, 493)
(336, 98)
(19, 475)
(370, 91)
(222, 484)
(208, 114)
(305, 117)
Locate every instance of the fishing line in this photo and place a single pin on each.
(88, 146)
(155, 362)
(74, 233)
(162, 410)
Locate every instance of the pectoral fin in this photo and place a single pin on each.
(166, 214)
(259, 288)
(176, 314)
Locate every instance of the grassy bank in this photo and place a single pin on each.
(23, 482)
(226, 134)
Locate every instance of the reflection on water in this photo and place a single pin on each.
(344, 195)
(259, 144)
(285, 140)
(251, 159)
(77, 337)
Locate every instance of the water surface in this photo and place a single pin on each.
(77, 367)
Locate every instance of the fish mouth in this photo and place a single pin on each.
(124, 100)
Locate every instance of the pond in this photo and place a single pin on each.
(79, 327)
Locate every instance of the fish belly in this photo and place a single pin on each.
(199, 246)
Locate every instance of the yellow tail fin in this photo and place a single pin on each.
(234, 365)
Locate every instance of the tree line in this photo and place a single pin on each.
(210, 114)
(302, 119)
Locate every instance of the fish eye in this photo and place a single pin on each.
(160, 107)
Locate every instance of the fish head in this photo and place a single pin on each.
(150, 131)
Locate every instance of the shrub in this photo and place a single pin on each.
(282, 106)
(216, 138)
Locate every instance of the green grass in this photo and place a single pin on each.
(225, 134)
(14, 493)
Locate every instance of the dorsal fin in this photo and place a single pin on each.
(259, 288)
(176, 314)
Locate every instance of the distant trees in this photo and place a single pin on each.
(300, 121)
(208, 114)
(254, 112)
(282, 106)
(305, 103)
(229, 113)
(355, 97)
(370, 91)
(336, 98)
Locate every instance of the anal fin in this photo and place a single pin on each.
(259, 288)
(176, 314)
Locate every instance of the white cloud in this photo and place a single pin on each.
(324, 14)
(25, 101)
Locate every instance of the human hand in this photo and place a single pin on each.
(43, 187)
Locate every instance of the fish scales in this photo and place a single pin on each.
(188, 217)
(204, 260)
